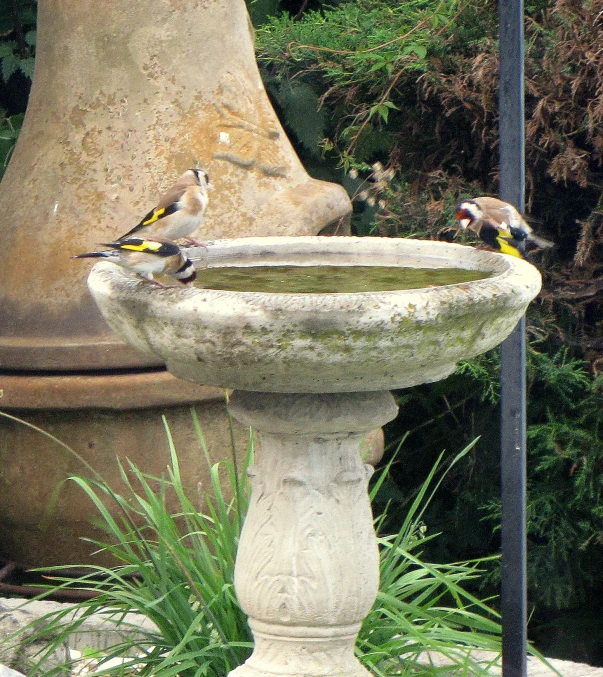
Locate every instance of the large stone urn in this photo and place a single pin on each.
(311, 374)
(125, 97)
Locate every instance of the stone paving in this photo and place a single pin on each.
(100, 634)
(536, 668)
(565, 668)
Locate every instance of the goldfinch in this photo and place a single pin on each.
(148, 257)
(179, 212)
(499, 225)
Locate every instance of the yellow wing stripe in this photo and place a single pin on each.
(144, 246)
(507, 248)
(157, 214)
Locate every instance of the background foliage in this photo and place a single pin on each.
(413, 86)
(17, 52)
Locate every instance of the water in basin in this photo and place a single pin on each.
(329, 279)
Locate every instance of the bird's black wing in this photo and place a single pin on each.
(154, 215)
(489, 234)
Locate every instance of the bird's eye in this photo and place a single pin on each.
(206, 177)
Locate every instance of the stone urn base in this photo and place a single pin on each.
(307, 567)
(103, 418)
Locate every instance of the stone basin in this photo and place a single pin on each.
(320, 343)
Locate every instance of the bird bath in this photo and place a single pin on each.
(311, 374)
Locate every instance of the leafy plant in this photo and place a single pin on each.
(10, 128)
(565, 487)
(176, 569)
(424, 607)
(565, 474)
(12, 58)
(354, 56)
(17, 37)
(17, 56)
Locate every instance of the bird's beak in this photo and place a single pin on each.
(464, 217)
(210, 186)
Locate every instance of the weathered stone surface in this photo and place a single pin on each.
(41, 528)
(311, 373)
(321, 342)
(550, 667)
(125, 97)
(307, 569)
(95, 632)
(9, 672)
(21, 653)
(98, 634)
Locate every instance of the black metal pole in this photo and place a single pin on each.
(513, 492)
(513, 405)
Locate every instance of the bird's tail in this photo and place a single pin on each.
(541, 242)
(93, 255)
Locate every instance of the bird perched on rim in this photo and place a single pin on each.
(148, 257)
(499, 225)
(179, 212)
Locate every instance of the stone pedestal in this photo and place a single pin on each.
(307, 569)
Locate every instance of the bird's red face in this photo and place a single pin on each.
(465, 215)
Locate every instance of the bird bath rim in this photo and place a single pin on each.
(335, 342)
(283, 251)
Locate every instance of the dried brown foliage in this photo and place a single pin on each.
(566, 82)
(564, 148)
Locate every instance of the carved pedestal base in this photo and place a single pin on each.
(307, 568)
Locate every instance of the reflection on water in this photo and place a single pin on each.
(330, 279)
